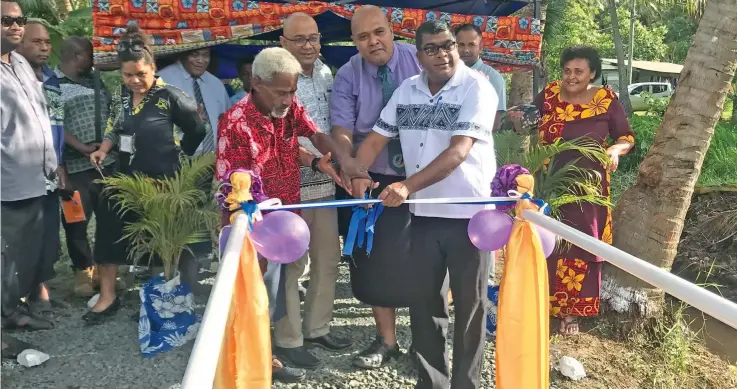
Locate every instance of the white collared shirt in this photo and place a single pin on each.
(465, 106)
(213, 92)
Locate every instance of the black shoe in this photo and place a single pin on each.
(377, 354)
(298, 356)
(14, 347)
(25, 321)
(288, 374)
(330, 342)
(94, 318)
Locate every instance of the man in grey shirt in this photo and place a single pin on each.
(470, 45)
(28, 159)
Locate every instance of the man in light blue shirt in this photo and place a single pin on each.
(470, 45)
(191, 76)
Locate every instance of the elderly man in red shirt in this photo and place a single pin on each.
(260, 133)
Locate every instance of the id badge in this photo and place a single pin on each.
(126, 144)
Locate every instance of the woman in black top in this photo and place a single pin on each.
(144, 117)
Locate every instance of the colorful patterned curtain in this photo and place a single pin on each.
(180, 25)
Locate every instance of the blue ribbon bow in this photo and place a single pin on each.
(362, 228)
(539, 202)
(249, 208)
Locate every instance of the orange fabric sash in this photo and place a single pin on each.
(245, 358)
(522, 348)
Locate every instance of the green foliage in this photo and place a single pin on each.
(567, 183)
(656, 106)
(171, 212)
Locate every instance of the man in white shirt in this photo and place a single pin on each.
(314, 85)
(191, 76)
(445, 129)
(470, 46)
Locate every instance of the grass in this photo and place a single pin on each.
(719, 164)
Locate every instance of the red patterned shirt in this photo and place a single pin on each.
(248, 139)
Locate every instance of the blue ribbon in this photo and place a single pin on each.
(249, 208)
(362, 228)
(539, 202)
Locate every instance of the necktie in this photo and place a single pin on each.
(394, 148)
(208, 144)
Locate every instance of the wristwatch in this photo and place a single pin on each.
(315, 161)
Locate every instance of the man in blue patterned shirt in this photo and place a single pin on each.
(36, 47)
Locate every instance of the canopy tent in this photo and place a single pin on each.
(181, 25)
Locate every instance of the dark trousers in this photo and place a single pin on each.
(51, 240)
(78, 245)
(450, 259)
(22, 228)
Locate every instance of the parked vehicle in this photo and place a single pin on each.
(658, 90)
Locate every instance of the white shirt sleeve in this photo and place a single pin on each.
(387, 123)
(475, 119)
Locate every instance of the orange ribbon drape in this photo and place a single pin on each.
(245, 358)
(522, 349)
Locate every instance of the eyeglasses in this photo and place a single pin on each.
(8, 21)
(134, 45)
(301, 40)
(434, 49)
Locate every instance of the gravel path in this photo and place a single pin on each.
(108, 356)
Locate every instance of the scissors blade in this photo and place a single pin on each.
(99, 170)
(371, 188)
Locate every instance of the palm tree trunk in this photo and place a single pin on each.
(734, 107)
(64, 7)
(631, 48)
(649, 218)
(624, 97)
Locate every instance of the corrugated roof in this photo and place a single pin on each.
(658, 67)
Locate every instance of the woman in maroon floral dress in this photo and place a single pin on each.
(569, 109)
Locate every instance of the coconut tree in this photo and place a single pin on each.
(172, 212)
(649, 217)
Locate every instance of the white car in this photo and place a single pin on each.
(657, 89)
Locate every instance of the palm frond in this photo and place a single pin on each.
(540, 155)
(721, 226)
(172, 212)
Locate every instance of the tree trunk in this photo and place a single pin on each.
(520, 88)
(649, 218)
(624, 97)
(631, 49)
(734, 107)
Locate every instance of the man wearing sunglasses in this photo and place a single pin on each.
(28, 161)
(314, 85)
(442, 119)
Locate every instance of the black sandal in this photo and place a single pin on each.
(13, 347)
(27, 322)
(94, 318)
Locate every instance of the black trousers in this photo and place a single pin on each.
(450, 259)
(77, 242)
(22, 231)
(51, 240)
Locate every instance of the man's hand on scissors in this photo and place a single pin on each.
(361, 185)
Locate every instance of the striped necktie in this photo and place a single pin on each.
(208, 144)
(394, 147)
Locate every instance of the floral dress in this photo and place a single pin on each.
(575, 274)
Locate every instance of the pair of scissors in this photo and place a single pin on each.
(99, 170)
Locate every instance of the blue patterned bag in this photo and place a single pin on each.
(167, 318)
(492, 295)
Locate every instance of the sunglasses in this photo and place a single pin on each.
(133, 45)
(8, 21)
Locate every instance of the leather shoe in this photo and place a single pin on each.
(93, 318)
(377, 354)
(298, 356)
(288, 374)
(330, 342)
(27, 322)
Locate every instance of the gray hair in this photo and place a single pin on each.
(272, 61)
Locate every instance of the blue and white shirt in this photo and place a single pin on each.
(426, 123)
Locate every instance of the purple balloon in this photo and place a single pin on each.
(547, 239)
(489, 229)
(282, 237)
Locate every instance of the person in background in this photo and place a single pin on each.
(35, 48)
(444, 158)
(83, 132)
(145, 111)
(594, 112)
(244, 74)
(190, 75)
(28, 161)
(260, 133)
(361, 89)
(470, 46)
(314, 85)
